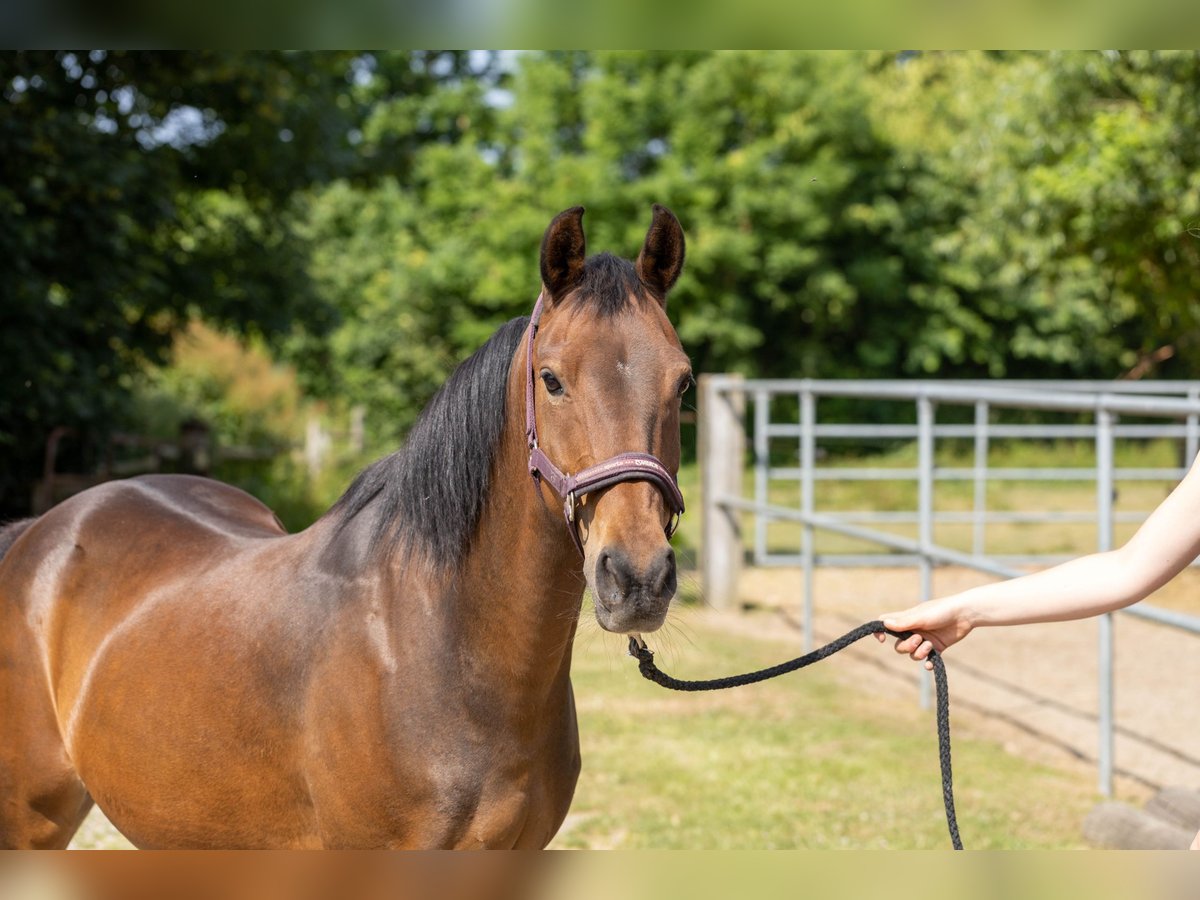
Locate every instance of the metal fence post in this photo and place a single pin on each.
(721, 443)
(1104, 541)
(808, 441)
(317, 444)
(1192, 442)
(762, 465)
(978, 540)
(925, 419)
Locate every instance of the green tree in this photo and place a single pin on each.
(140, 191)
(1065, 186)
(376, 216)
(799, 262)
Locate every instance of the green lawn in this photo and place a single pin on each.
(807, 761)
(799, 762)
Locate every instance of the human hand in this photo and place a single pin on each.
(936, 625)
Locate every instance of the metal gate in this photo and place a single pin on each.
(1168, 410)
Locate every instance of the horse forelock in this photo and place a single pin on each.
(608, 285)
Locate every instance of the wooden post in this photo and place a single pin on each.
(721, 450)
(316, 446)
(358, 442)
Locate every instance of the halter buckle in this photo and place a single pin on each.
(569, 507)
(672, 525)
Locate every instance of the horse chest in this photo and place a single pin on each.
(503, 794)
(424, 777)
(524, 805)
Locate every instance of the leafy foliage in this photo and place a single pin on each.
(375, 217)
(139, 190)
(1068, 187)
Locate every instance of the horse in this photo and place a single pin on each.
(397, 675)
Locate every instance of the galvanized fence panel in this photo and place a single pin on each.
(1177, 404)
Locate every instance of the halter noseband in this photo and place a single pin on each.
(622, 467)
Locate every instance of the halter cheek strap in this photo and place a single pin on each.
(622, 467)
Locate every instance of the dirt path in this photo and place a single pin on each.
(1033, 688)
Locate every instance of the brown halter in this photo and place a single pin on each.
(622, 467)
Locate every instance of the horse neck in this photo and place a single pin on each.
(521, 585)
(506, 611)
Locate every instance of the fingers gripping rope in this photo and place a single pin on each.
(645, 657)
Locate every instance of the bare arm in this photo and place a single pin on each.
(1088, 586)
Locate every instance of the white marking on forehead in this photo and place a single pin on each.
(624, 368)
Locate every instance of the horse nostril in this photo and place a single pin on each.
(663, 574)
(613, 575)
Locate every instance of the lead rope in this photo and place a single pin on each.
(645, 657)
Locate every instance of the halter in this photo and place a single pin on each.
(622, 467)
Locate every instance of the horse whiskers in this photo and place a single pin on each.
(695, 589)
(587, 634)
(666, 639)
(572, 611)
(569, 615)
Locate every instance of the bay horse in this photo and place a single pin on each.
(395, 675)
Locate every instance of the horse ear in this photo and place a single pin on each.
(563, 253)
(661, 259)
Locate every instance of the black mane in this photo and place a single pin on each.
(435, 485)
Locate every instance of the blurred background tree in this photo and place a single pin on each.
(367, 220)
(142, 191)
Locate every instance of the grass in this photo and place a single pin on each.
(800, 762)
(803, 762)
(808, 761)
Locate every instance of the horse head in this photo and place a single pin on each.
(608, 374)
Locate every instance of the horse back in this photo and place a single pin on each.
(10, 532)
(114, 521)
(204, 502)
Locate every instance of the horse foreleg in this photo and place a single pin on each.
(42, 800)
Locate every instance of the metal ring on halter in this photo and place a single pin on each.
(569, 507)
(672, 524)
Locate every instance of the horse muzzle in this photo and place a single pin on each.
(629, 597)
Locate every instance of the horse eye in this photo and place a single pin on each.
(686, 383)
(552, 384)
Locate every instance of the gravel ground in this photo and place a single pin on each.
(1033, 688)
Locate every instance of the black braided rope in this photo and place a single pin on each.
(645, 657)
